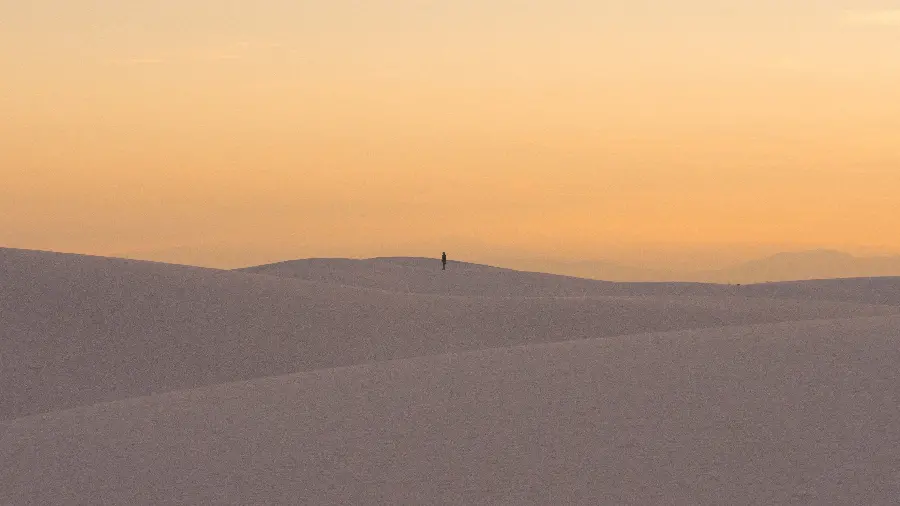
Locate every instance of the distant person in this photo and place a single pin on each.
(444, 261)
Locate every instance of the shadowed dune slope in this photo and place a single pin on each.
(793, 413)
(422, 275)
(77, 330)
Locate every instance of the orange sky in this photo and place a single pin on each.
(236, 132)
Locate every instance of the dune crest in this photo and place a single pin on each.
(390, 381)
(415, 275)
(80, 330)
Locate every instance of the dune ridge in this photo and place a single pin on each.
(388, 381)
(80, 330)
(400, 275)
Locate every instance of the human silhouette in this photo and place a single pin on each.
(444, 261)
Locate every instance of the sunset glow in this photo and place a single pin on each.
(250, 131)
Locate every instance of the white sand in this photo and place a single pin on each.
(416, 275)
(367, 395)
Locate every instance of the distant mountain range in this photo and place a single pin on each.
(790, 266)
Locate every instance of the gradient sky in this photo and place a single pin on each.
(232, 132)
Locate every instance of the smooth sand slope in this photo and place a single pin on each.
(797, 413)
(79, 330)
(478, 385)
(414, 275)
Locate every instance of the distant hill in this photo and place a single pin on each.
(788, 266)
(804, 265)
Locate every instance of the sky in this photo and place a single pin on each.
(234, 132)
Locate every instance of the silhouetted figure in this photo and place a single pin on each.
(444, 261)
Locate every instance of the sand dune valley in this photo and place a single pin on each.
(389, 381)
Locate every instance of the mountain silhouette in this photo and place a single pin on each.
(785, 266)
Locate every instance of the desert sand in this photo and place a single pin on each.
(388, 381)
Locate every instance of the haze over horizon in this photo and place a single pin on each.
(695, 134)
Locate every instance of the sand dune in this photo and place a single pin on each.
(795, 413)
(79, 330)
(389, 381)
(416, 275)
(420, 275)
